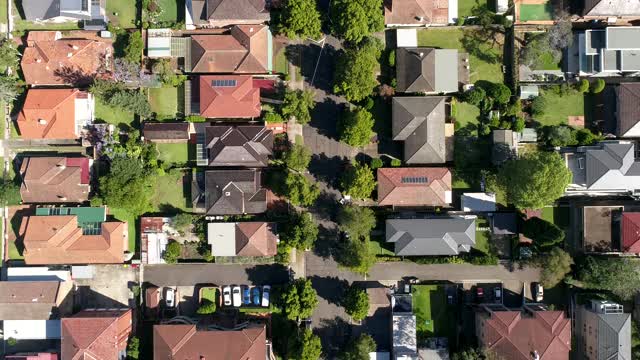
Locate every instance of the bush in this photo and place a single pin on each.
(538, 105)
(172, 252)
(582, 85)
(133, 348)
(474, 96)
(518, 124)
(392, 58)
(195, 118)
(369, 103)
(207, 307)
(597, 86)
(376, 163)
(484, 130)
(135, 45)
(272, 118)
(12, 341)
(396, 163)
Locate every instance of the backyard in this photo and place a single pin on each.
(164, 102)
(557, 108)
(482, 236)
(433, 316)
(466, 114)
(536, 12)
(108, 114)
(171, 192)
(122, 13)
(170, 10)
(123, 215)
(485, 49)
(173, 153)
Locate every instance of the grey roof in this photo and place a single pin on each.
(234, 192)
(503, 148)
(248, 145)
(419, 122)
(427, 70)
(432, 236)
(242, 10)
(40, 9)
(627, 109)
(48, 9)
(614, 50)
(611, 8)
(504, 223)
(613, 340)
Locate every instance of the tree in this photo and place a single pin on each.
(301, 232)
(538, 105)
(299, 18)
(172, 252)
(165, 73)
(358, 181)
(474, 96)
(475, 354)
(484, 16)
(182, 221)
(356, 303)
(128, 185)
(618, 275)
(359, 349)
(308, 346)
(543, 233)
(135, 45)
(518, 124)
(115, 94)
(585, 137)
(500, 93)
(555, 266)
(376, 163)
(272, 118)
(9, 88)
(133, 348)
(356, 127)
(559, 136)
(355, 70)
(300, 190)
(597, 86)
(354, 20)
(582, 85)
(357, 221)
(560, 35)
(297, 157)
(9, 54)
(207, 307)
(298, 103)
(9, 193)
(535, 179)
(299, 299)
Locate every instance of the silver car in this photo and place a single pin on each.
(226, 295)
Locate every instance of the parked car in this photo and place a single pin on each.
(538, 292)
(497, 293)
(237, 297)
(479, 293)
(169, 297)
(255, 295)
(266, 290)
(246, 296)
(226, 295)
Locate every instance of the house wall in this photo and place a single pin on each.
(32, 329)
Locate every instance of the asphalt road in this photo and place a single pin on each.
(217, 274)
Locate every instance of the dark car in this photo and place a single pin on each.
(246, 298)
(255, 295)
(479, 293)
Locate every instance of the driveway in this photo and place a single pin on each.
(109, 287)
(217, 274)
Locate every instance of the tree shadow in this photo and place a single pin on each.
(335, 334)
(73, 76)
(325, 206)
(327, 169)
(320, 70)
(326, 244)
(325, 117)
(476, 41)
(331, 289)
(272, 274)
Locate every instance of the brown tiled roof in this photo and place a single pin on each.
(515, 335)
(45, 58)
(57, 239)
(255, 239)
(398, 12)
(166, 131)
(32, 300)
(397, 187)
(49, 114)
(239, 101)
(186, 342)
(243, 51)
(95, 334)
(54, 180)
(234, 192)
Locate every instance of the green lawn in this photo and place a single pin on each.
(169, 10)
(122, 13)
(173, 153)
(466, 114)
(14, 131)
(210, 293)
(3, 12)
(14, 254)
(557, 215)
(482, 236)
(485, 57)
(533, 12)
(106, 113)
(164, 102)
(464, 7)
(281, 64)
(547, 62)
(558, 108)
(379, 247)
(171, 192)
(433, 316)
(20, 24)
(123, 215)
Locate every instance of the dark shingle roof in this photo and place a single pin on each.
(166, 131)
(628, 109)
(248, 146)
(427, 70)
(234, 192)
(237, 10)
(419, 122)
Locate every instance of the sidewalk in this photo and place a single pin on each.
(294, 130)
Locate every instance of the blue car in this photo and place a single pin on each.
(246, 299)
(255, 294)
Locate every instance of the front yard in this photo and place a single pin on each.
(164, 102)
(485, 50)
(122, 13)
(434, 317)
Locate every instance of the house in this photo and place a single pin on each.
(431, 71)
(478, 202)
(55, 179)
(50, 59)
(414, 187)
(78, 235)
(419, 12)
(603, 331)
(55, 113)
(31, 310)
(630, 232)
(64, 10)
(242, 239)
(419, 122)
(226, 96)
(612, 51)
(603, 9)
(32, 356)
(167, 132)
(96, 334)
(230, 192)
(220, 13)
(242, 145)
(154, 237)
(621, 112)
(606, 168)
(189, 342)
(403, 327)
(431, 236)
(508, 333)
(504, 146)
(244, 49)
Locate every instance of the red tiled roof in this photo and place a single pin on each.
(95, 334)
(239, 101)
(398, 12)
(631, 232)
(49, 114)
(512, 335)
(255, 239)
(392, 190)
(54, 180)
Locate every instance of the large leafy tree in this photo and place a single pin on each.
(555, 266)
(359, 349)
(128, 185)
(358, 181)
(354, 20)
(9, 88)
(357, 221)
(9, 193)
(356, 303)
(299, 18)
(298, 103)
(300, 190)
(355, 75)
(301, 232)
(9, 54)
(172, 252)
(543, 233)
(299, 299)
(356, 127)
(297, 157)
(116, 94)
(619, 275)
(535, 179)
(309, 346)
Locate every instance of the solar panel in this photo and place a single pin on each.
(223, 83)
(414, 180)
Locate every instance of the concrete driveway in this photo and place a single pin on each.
(109, 287)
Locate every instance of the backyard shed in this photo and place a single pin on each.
(159, 43)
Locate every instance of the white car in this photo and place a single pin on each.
(237, 296)
(226, 295)
(266, 290)
(538, 292)
(169, 297)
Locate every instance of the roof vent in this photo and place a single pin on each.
(61, 166)
(38, 60)
(62, 198)
(421, 54)
(42, 121)
(75, 47)
(69, 54)
(227, 193)
(250, 30)
(535, 355)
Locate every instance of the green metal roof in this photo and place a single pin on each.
(87, 216)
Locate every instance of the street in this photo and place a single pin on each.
(192, 274)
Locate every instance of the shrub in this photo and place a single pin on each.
(474, 96)
(392, 58)
(195, 118)
(135, 45)
(368, 104)
(538, 105)
(272, 118)
(597, 86)
(518, 124)
(582, 85)
(376, 163)
(396, 163)
(12, 341)
(207, 307)
(133, 348)
(172, 252)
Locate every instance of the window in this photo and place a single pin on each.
(223, 83)
(414, 180)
